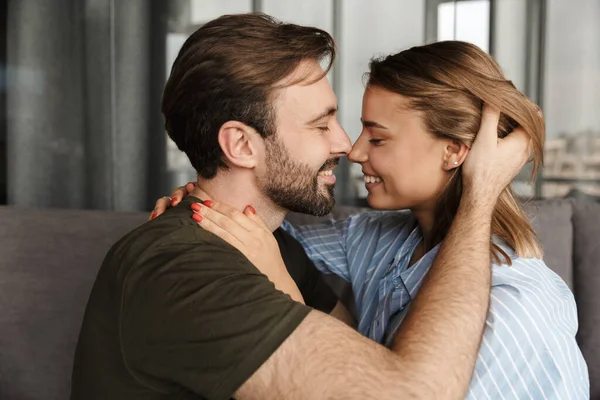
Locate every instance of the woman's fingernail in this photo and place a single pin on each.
(196, 207)
(173, 201)
(197, 217)
(251, 209)
(153, 215)
(208, 203)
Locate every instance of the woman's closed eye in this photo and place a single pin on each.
(323, 128)
(376, 142)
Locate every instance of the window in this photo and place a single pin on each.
(572, 99)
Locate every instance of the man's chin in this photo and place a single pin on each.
(318, 208)
(316, 199)
(328, 203)
(320, 212)
(327, 189)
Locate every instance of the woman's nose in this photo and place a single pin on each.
(358, 153)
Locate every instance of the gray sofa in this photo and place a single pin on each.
(49, 259)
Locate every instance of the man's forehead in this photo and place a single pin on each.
(307, 97)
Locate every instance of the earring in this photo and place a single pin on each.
(455, 163)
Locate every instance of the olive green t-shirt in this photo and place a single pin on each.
(177, 313)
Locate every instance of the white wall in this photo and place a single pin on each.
(369, 28)
(205, 10)
(317, 13)
(510, 39)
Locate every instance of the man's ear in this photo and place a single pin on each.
(454, 155)
(237, 142)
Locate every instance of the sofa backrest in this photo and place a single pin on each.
(48, 263)
(49, 260)
(586, 278)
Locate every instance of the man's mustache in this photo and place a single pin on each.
(330, 164)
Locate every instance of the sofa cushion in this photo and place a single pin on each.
(586, 274)
(48, 265)
(552, 220)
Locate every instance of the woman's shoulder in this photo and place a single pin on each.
(530, 274)
(531, 292)
(516, 266)
(514, 258)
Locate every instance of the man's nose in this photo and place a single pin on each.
(340, 142)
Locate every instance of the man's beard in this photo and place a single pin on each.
(295, 186)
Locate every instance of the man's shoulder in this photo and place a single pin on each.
(171, 230)
(174, 241)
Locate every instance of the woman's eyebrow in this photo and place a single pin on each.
(372, 124)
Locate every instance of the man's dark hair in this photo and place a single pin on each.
(228, 70)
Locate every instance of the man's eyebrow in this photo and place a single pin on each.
(372, 124)
(330, 111)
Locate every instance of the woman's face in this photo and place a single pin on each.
(402, 163)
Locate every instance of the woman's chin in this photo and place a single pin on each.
(380, 202)
(377, 202)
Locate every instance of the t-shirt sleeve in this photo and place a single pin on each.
(315, 291)
(201, 320)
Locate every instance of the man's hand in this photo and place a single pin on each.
(492, 162)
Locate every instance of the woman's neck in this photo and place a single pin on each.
(425, 219)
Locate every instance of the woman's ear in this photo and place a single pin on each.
(454, 155)
(237, 143)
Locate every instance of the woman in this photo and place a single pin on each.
(421, 112)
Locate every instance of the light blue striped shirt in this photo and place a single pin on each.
(528, 350)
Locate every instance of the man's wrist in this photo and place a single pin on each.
(478, 201)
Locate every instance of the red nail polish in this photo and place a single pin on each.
(251, 209)
(196, 207)
(197, 217)
(173, 201)
(208, 203)
(153, 215)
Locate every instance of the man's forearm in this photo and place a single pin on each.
(441, 334)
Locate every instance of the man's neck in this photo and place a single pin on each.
(238, 192)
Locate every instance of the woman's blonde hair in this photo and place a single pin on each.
(449, 82)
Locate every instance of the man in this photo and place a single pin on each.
(177, 313)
